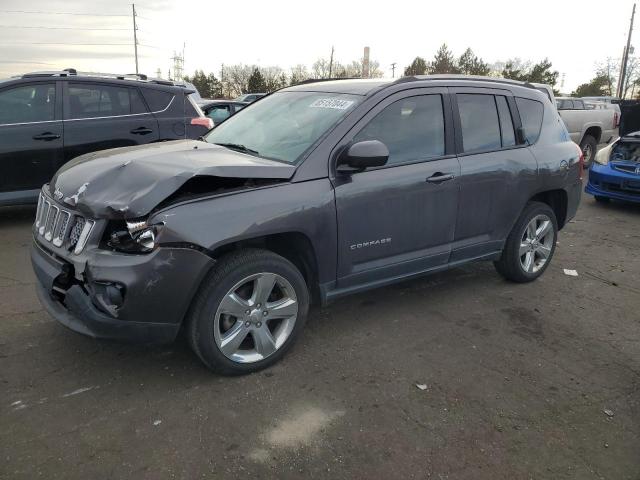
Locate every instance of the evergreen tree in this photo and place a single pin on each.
(417, 67)
(443, 61)
(470, 64)
(256, 83)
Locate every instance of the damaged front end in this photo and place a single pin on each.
(98, 252)
(615, 173)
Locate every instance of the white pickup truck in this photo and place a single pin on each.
(587, 127)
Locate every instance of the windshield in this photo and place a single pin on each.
(283, 125)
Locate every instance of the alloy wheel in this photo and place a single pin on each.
(536, 243)
(255, 318)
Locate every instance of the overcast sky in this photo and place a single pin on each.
(575, 35)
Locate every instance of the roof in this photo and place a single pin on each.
(359, 86)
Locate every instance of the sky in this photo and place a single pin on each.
(574, 35)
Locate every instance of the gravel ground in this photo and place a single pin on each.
(522, 381)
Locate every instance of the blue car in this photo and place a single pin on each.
(615, 171)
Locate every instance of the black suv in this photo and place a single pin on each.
(48, 118)
(314, 192)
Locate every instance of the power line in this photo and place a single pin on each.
(63, 13)
(61, 28)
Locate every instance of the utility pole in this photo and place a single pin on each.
(135, 35)
(393, 70)
(331, 62)
(625, 58)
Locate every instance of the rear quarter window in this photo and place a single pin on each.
(157, 99)
(531, 116)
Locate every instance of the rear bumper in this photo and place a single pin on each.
(608, 183)
(157, 290)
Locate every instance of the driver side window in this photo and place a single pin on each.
(412, 128)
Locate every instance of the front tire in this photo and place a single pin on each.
(248, 312)
(602, 199)
(530, 245)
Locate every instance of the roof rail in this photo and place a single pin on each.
(476, 78)
(67, 72)
(314, 80)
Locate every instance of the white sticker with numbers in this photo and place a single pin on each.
(336, 103)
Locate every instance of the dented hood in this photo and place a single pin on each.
(129, 182)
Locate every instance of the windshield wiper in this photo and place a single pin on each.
(239, 148)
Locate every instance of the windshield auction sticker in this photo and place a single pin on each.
(336, 103)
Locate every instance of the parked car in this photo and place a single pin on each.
(587, 127)
(315, 192)
(250, 97)
(220, 110)
(610, 103)
(48, 118)
(615, 173)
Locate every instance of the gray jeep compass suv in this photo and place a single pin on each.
(314, 192)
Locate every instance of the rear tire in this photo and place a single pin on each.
(589, 146)
(530, 245)
(266, 301)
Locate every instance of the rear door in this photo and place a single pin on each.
(495, 171)
(31, 136)
(98, 116)
(399, 219)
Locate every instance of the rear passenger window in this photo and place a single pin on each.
(28, 103)
(411, 128)
(531, 116)
(506, 125)
(479, 121)
(156, 99)
(87, 101)
(137, 105)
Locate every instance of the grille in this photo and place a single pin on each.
(76, 231)
(61, 227)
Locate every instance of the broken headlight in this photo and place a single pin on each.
(136, 237)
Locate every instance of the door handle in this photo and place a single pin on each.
(46, 136)
(141, 131)
(439, 177)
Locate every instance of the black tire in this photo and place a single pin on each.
(592, 144)
(230, 270)
(602, 199)
(509, 265)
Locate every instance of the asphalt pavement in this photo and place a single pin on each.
(460, 375)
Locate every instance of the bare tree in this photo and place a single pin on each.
(299, 73)
(236, 78)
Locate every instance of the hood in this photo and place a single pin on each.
(629, 118)
(129, 182)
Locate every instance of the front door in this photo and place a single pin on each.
(399, 219)
(101, 116)
(31, 137)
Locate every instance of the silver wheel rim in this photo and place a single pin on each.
(586, 153)
(255, 318)
(536, 243)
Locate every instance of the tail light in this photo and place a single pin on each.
(581, 161)
(616, 120)
(203, 122)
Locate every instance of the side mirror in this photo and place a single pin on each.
(365, 154)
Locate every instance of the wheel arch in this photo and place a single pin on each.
(594, 131)
(558, 200)
(293, 245)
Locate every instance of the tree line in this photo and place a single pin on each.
(237, 79)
